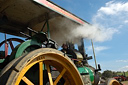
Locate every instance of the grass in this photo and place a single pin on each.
(121, 73)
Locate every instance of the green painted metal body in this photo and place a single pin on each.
(21, 49)
(87, 71)
(2, 60)
(35, 42)
(2, 54)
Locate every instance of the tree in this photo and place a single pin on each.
(114, 74)
(107, 74)
(100, 74)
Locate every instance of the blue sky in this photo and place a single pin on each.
(112, 17)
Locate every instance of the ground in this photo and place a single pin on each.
(125, 82)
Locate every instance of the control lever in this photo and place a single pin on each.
(32, 30)
(89, 57)
(25, 35)
(99, 68)
(86, 57)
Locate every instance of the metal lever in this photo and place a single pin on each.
(99, 68)
(32, 30)
(89, 57)
(25, 35)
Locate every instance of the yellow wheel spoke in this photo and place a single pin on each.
(41, 73)
(59, 77)
(49, 74)
(45, 60)
(27, 81)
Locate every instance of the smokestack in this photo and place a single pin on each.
(81, 47)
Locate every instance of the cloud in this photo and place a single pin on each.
(125, 68)
(106, 22)
(126, 21)
(112, 12)
(125, 61)
(113, 8)
(112, 17)
(97, 48)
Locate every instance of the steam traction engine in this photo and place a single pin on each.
(36, 61)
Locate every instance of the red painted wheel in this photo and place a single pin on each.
(7, 43)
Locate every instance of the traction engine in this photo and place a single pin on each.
(36, 60)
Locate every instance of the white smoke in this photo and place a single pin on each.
(66, 30)
(108, 20)
(105, 23)
(94, 32)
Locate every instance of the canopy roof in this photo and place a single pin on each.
(17, 15)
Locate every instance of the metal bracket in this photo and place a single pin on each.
(46, 22)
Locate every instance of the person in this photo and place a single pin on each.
(64, 48)
(68, 51)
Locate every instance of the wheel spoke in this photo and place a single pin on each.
(49, 75)
(6, 49)
(60, 76)
(41, 73)
(41, 58)
(11, 45)
(27, 81)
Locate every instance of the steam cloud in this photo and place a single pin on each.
(94, 32)
(66, 30)
(105, 23)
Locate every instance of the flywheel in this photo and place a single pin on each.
(45, 66)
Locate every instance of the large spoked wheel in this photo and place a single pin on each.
(9, 45)
(44, 66)
(112, 81)
(10, 42)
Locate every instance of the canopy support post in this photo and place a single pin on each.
(48, 29)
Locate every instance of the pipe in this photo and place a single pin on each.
(94, 54)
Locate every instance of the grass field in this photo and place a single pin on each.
(121, 73)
